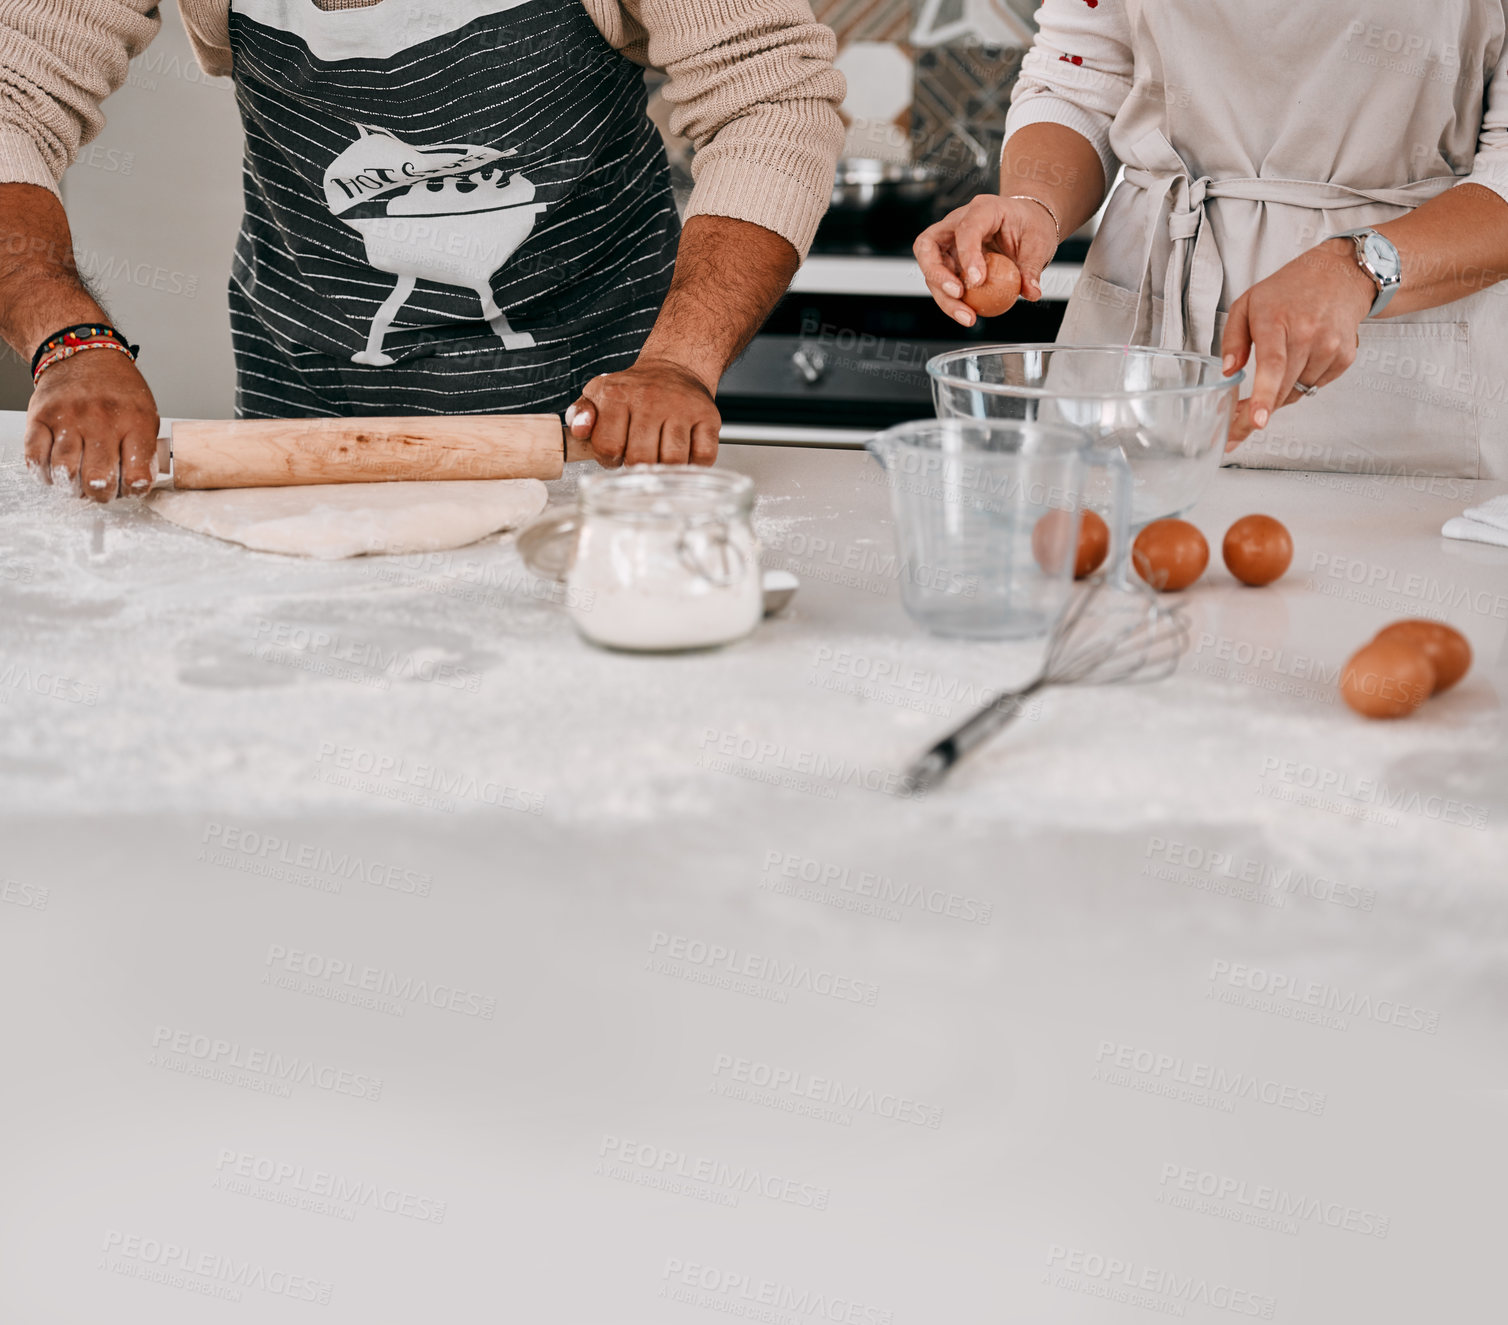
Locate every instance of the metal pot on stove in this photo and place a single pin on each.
(879, 205)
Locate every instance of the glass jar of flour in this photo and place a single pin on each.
(655, 558)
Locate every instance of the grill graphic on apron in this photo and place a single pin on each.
(448, 214)
(452, 206)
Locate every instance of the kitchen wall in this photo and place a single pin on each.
(155, 201)
(15, 382)
(908, 62)
(928, 81)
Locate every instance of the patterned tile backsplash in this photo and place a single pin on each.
(866, 20)
(929, 81)
(988, 22)
(958, 115)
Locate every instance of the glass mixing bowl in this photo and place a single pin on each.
(1167, 411)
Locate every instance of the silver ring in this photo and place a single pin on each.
(1307, 390)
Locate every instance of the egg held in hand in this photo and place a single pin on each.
(1257, 549)
(1001, 288)
(1447, 649)
(1170, 555)
(1387, 679)
(1051, 536)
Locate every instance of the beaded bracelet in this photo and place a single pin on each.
(68, 351)
(66, 343)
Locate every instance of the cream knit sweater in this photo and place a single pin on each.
(751, 83)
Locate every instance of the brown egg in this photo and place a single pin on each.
(1002, 286)
(1387, 679)
(1050, 537)
(1257, 549)
(1094, 545)
(1170, 554)
(1447, 649)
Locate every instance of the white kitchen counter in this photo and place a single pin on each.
(1006, 1035)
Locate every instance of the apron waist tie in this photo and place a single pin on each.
(1195, 267)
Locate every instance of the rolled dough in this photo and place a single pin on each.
(331, 520)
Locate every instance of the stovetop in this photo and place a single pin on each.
(1072, 249)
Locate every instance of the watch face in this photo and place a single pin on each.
(1384, 258)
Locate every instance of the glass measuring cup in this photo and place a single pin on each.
(986, 520)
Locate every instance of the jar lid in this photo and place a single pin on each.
(654, 493)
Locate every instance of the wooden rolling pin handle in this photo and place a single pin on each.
(273, 453)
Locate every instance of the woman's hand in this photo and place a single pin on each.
(1302, 322)
(91, 426)
(951, 253)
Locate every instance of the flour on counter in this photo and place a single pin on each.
(143, 667)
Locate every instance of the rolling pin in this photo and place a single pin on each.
(280, 453)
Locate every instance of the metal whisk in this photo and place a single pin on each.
(1137, 639)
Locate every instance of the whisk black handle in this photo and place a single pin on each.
(933, 766)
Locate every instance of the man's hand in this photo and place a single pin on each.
(1302, 322)
(91, 426)
(91, 423)
(728, 276)
(656, 411)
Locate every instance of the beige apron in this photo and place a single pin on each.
(1251, 133)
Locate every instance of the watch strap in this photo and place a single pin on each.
(1386, 289)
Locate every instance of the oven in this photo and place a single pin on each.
(845, 352)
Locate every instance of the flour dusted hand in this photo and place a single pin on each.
(91, 427)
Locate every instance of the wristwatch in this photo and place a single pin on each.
(1377, 255)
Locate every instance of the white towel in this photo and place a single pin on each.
(1487, 523)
